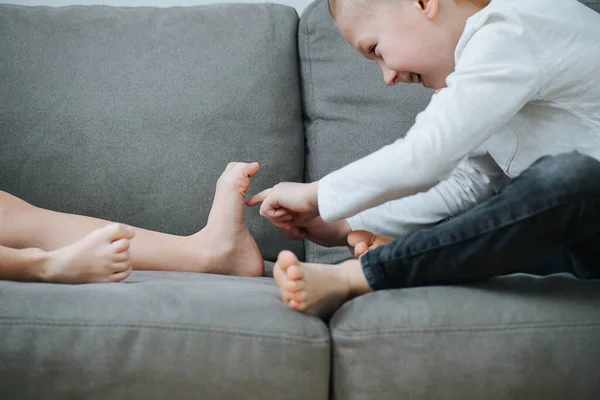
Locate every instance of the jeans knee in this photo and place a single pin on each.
(569, 173)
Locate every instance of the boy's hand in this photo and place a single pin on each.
(328, 234)
(288, 201)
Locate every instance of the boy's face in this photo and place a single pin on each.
(405, 38)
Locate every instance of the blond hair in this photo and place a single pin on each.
(333, 4)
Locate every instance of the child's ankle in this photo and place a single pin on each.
(36, 268)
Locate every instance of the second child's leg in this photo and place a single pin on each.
(224, 246)
(100, 256)
(553, 204)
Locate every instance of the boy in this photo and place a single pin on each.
(47, 246)
(518, 89)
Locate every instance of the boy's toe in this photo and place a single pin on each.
(295, 273)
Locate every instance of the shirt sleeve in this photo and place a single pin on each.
(474, 180)
(495, 76)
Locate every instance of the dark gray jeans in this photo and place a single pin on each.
(548, 216)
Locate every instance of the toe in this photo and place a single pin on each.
(282, 282)
(121, 266)
(120, 245)
(295, 273)
(119, 276)
(285, 259)
(356, 237)
(120, 256)
(250, 169)
(279, 276)
(118, 231)
(295, 286)
(298, 306)
(300, 297)
(360, 249)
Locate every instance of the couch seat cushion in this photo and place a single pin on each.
(516, 337)
(161, 336)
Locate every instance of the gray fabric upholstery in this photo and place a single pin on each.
(159, 336)
(349, 111)
(516, 337)
(594, 5)
(131, 114)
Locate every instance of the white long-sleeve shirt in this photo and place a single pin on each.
(526, 84)
(475, 179)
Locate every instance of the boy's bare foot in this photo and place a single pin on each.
(317, 289)
(101, 256)
(363, 241)
(227, 245)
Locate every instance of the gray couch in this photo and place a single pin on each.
(131, 114)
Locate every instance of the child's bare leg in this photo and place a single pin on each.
(101, 256)
(318, 289)
(224, 246)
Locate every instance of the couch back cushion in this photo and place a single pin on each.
(349, 111)
(131, 114)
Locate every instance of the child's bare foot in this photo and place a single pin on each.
(363, 241)
(227, 245)
(101, 256)
(317, 289)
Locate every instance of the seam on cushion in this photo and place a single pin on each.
(310, 62)
(308, 97)
(307, 15)
(176, 328)
(343, 334)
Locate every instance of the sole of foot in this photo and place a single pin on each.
(314, 289)
(226, 244)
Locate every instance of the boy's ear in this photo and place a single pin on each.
(428, 7)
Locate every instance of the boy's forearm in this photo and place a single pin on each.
(476, 179)
(343, 229)
(23, 265)
(328, 234)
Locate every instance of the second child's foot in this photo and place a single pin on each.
(317, 289)
(101, 256)
(364, 241)
(226, 245)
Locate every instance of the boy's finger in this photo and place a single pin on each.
(282, 212)
(258, 198)
(286, 218)
(268, 207)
